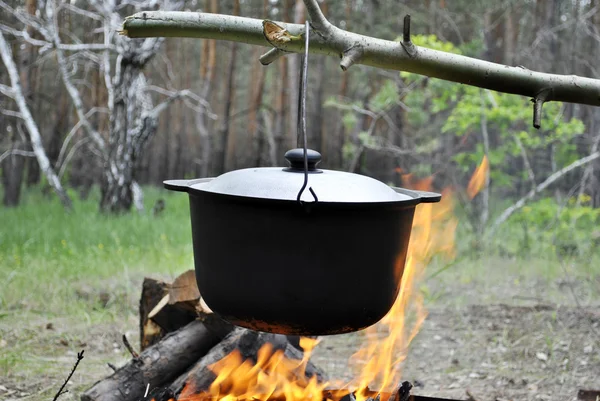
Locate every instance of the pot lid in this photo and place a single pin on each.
(285, 183)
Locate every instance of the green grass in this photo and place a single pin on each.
(45, 252)
(79, 271)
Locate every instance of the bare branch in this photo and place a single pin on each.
(65, 163)
(73, 93)
(317, 19)
(7, 91)
(26, 19)
(79, 358)
(23, 34)
(80, 11)
(18, 152)
(46, 45)
(71, 134)
(185, 93)
(11, 113)
(376, 52)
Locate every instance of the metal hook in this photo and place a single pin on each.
(302, 114)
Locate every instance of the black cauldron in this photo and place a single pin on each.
(330, 262)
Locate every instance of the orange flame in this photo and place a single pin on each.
(479, 178)
(274, 377)
(387, 342)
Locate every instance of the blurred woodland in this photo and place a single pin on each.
(122, 113)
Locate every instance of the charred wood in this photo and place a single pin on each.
(247, 342)
(160, 364)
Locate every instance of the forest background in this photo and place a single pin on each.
(116, 117)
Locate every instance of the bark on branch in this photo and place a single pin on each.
(329, 40)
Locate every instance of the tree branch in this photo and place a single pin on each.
(60, 391)
(374, 52)
(318, 20)
(73, 93)
(18, 152)
(11, 113)
(7, 91)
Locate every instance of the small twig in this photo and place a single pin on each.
(133, 353)
(11, 113)
(271, 56)
(350, 57)
(17, 152)
(538, 102)
(113, 367)
(60, 391)
(406, 43)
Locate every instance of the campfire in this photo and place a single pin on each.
(189, 354)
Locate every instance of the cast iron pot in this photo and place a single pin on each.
(267, 262)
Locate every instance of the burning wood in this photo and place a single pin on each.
(231, 368)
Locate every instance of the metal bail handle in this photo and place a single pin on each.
(302, 118)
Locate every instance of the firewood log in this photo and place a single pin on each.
(247, 342)
(161, 363)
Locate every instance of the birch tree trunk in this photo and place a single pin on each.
(131, 125)
(13, 167)
(34, 134)
(133, 119)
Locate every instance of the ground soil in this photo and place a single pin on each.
(492, 339)
(493, 352)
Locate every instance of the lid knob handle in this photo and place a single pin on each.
(296, 159)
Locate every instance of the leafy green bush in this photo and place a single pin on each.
(570, 229)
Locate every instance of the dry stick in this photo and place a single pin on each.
(134, 354)
(60, 391)
(359, 49)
